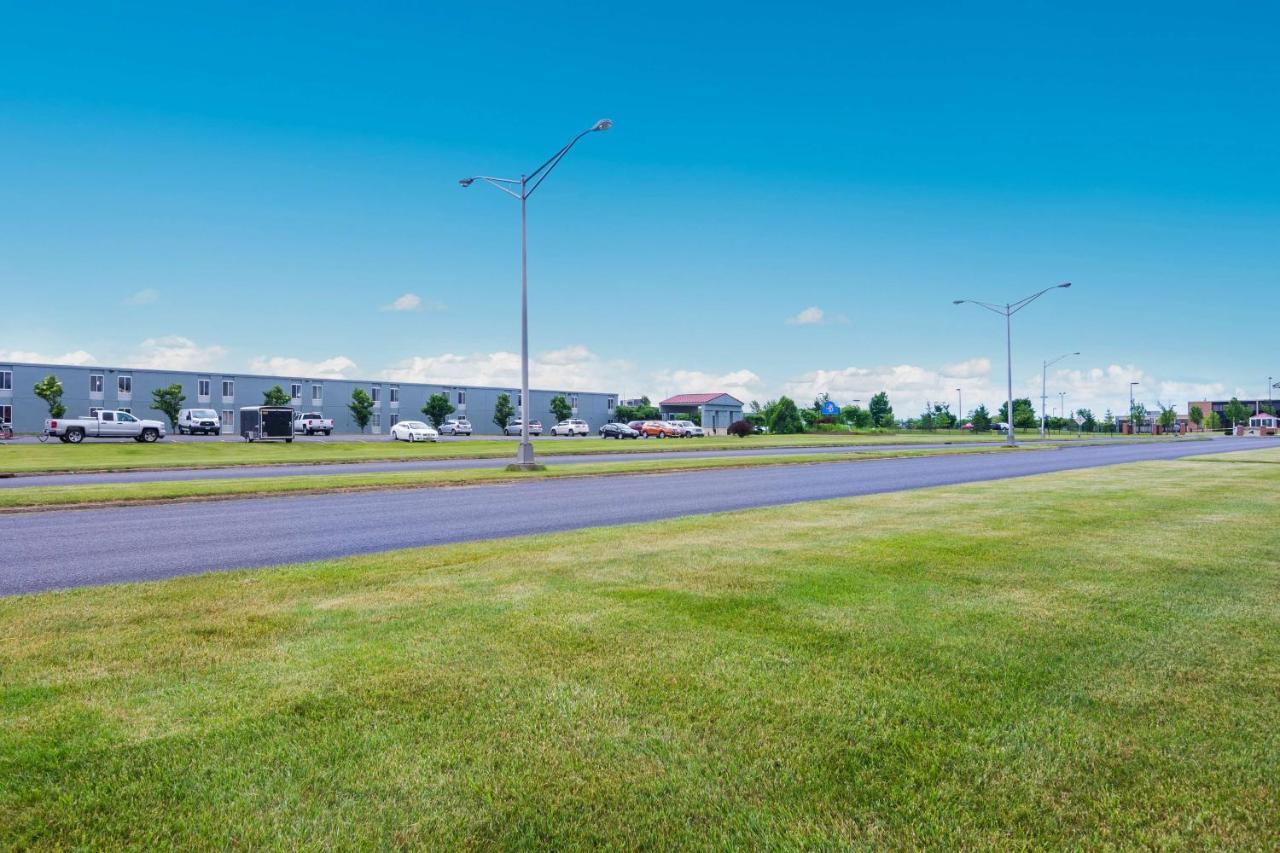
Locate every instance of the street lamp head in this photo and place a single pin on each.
(1065, 284)
(466, 182)
(958, 301)
(603, 124)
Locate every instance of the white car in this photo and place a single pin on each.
(456, 426)
(688, 429)
(571, 427)
(414, 431)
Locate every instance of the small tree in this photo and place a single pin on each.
(1196, 415)
(1168, 417)
(169, 400)
(1024, 414)
(785, 417)
(361, 407)
(1137, 416)
(980, 418)
(1088, 422)
(741, 429)
(437, 409)
(503, 411)
(856, 416)
(1212, 421)
(275, 396)
(881, 411)
(1108, 422)
(1235, 411)
(560, 408)
(49, 389)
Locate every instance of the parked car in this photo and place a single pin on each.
(635, 425)
(310, 423)
(688, 429)
(202, 421)
(414, 431)
(658, 429)
(617, 430)
(513, 427)
(104, 424)
(572, 427)
(266, 423)
(456, 426)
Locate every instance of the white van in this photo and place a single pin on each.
(203, 421)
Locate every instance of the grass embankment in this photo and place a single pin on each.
(1087, 659)
(106, 494)
(56, 457)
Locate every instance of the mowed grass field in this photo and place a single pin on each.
(1084, 659)
(128, 455)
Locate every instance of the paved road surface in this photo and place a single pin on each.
(256, 471)
(66, 548)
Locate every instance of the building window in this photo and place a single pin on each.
(124, 387)
(6, 380)
(295, 392)
(375, 394)
(573, 400)
(519, 399)
(462, 398)
(96, 385)
(395, 419)
(610, 403)
(6, 414)
(317, 395)
(377, 420)
(202, 389)
(228, 419)
(395, 395)
(228, 389)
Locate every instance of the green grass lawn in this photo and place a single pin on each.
(53, 497)
(1087, 659)
(128, 455)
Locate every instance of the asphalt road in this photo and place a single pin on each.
(245, 471)
(49, 550)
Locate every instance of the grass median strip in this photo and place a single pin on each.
(107, 494)
(1082, 660)
(18, 459)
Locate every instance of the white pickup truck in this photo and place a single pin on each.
(103, 424)
(310, 423)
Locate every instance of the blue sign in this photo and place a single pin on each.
(829, 408)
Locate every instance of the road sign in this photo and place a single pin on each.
(829, 408)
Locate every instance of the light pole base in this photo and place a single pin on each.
(526, 466)
(524, 453)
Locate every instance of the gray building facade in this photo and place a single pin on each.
(124, 388)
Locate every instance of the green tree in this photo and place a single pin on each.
(275, 396)
(1137, 416)
(1212, 421)
(856, 416)
(980, 418)
(437, 409)
(1090, 424)
(1108, 422)
(785, 417)
(1196, 415)
(361, 407)
(646, 411)
(881, 411)
(1168, 417)
(503, 411)
(1235, 411)
(1024, 416)
(169, 401)
(49, 389)
(560, 408)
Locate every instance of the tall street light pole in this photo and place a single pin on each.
(959, 407)
(1007, 311)
(526, 185)
(1044, 373)
(1062, 404)
(1132, 425)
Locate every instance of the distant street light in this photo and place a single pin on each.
(959, 408)
(1044, 372)
(1007, 311)
(1132, 425)
(527, 184)
(1062, 404)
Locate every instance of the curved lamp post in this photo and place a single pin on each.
(521, 189)
(1007, 311)
(1044, 370)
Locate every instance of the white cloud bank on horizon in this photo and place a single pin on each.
(337, 367)
(815, 316)
(77, 358)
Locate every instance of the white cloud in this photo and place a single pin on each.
(973, 368)
(143, 297)
(174, 352)
(815, 316)
(338, 367)
(571, 368)
(78, 357)
(743, 384)
(412, 302)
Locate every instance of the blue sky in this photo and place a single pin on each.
(789, 201)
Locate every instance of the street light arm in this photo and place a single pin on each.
(500, 183)
(1015, 307)
(540, 174)
(995, 309)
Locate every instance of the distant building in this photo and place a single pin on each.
(1150, 424)
(715, 410)
(1220, 406)
(129, 389)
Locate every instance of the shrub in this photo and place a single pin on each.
(741, 429)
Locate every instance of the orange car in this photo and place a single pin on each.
(658, 429)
